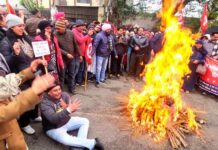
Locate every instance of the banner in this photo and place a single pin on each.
(209, 81)
(40, 48)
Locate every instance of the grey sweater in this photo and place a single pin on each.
(53, 116)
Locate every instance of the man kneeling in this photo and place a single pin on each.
(56, 108)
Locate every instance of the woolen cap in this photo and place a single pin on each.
(199, 42)
(13, 20)
(80, 22)
(60, 25)
(43, 24)
(58, 15)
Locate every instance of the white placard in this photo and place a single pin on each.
(40, 48)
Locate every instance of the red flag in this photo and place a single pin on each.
(88, 54)
(204, 21)
(10, 8)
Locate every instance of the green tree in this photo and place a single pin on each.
(31, 5)
(212, 10)
(122, 11)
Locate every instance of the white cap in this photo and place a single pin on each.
(106, 26)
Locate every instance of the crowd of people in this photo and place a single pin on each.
(78, 52)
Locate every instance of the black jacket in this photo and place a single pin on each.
(142, 42)
(16, 63)
(2, 33)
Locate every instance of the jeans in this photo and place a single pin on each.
(73, 68)
(80, 77)
(60, 134)
(101, 63)
(129, 51)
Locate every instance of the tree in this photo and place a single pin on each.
(212, 10)
(31, 5)
(122, 11)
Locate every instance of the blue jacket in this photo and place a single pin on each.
(103, 44)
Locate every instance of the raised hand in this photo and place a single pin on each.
(74, 106)
(16, 48)
(35, 63)
(42, 83)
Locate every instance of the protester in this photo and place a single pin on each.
(32, 23)
(2, 25)
(54, 59)
(56, 109)
(121, 48)
(139, 54)
(81, 40)
(70, 52)
(212, 45)
(103, 45)
(13, 102)
(129, 50)
(198, 57)
(17, 49)
(156, 42)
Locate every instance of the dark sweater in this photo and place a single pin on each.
(68, 44)
(2, 33)
(53, 116)
(103, 44)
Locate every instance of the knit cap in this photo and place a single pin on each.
(60, 25)
(13, 20)
(44, 24)
(59, 15)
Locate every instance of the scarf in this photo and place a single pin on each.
(9, 86)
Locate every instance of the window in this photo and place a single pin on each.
(84, 1)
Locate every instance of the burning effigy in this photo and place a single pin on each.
(158, 109)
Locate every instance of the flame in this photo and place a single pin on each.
(160, 103)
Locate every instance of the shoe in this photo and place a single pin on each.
(97, 85)
(187, 92)
(103, 81)
(98, 145)
(28, 130)
(82, 84)
(73, 92)
(38, 119)
(137, 79)
(204, 93)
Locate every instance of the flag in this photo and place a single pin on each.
(10, 8)
(204, 21)
(88, 54)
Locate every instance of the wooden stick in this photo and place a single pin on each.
(86, 77)
(46, 69)
(179, 137)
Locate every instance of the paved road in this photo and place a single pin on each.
(102, 107)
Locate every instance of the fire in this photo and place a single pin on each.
(159, 105)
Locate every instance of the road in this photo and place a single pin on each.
(102, 107)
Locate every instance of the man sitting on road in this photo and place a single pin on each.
(56, 108)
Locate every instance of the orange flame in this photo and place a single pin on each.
(160, 102)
